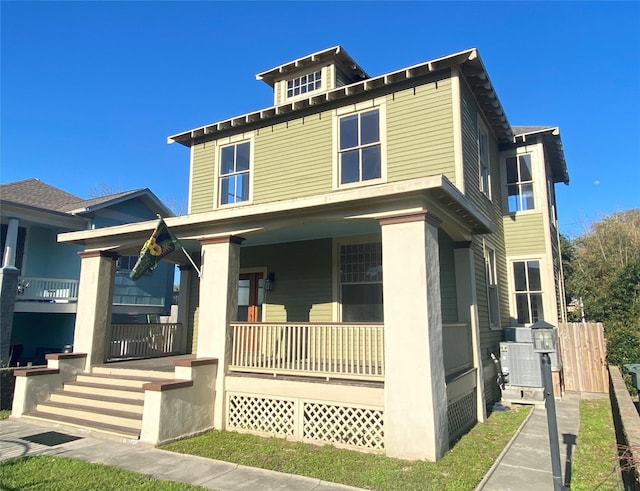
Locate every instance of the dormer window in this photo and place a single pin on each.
(304, 84)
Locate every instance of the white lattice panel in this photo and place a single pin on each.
(275, 416)
(343, 424)
(461, 415)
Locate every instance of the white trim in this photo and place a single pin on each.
(548, 294)
(381, 105)
(225, 142)
(537, 174)
(191, 151)
(481, 130)
(486, 249)
(458, 150)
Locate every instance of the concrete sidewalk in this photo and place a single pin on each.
(145, 459)
(526, 461)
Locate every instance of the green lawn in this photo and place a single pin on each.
(462, 468)
(595, 462)
(63, 474)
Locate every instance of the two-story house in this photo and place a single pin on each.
(360, 244)
(46, 273)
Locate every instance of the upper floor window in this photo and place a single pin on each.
(527, 291)
(492, 287)
(484, 160)
(303, 84)
(520, 183)
(360, 156)
(234, 173)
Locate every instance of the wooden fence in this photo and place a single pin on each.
(583, 352)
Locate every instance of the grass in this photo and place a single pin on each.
(595, 462)
(63, 474)
(462, 468)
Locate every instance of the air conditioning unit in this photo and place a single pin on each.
(520, 364)
(525, 335)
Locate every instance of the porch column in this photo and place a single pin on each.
(184, 299)
(95, 300)
(218, 307)
(415, 392)
(11, 243)
(468, 312)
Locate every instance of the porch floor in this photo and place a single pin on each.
(159, 364)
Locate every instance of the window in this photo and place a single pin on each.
(484, 161)
(359, 147)
(126, 264)
(520, 183)
(528, 291)
(361, 282)
(303, 84)
(492, 288)
(234, 173)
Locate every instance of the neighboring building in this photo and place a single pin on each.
(372, 235)
(33, 214)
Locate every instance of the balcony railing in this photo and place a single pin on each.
(144, 340)
(354, 351)
(52, 290)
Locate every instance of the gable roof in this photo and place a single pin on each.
(34, 193)
(468, 60)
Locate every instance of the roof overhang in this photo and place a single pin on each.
(145, 195)
(436, 194)
(40, 216)
(468, 60)
(552, 142)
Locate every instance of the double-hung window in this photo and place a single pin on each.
(484, 160)
(527, 291)
(234, 173)
(360, 155)
(492, 288)
(361, 282)
(520, 183)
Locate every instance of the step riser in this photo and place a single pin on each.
(105, 380)
(129, 372)
(115, 435)
(91, 404)
(133, 424)
(109, 392)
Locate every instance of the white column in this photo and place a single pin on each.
(415, 389)
(9, 253)
(468, 312)
(184, 300)
(218, 307)
(95, 299)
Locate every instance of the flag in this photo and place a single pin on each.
(161, 243)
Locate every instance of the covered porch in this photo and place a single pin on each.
(320, 352)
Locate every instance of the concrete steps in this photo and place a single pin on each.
(106, 401)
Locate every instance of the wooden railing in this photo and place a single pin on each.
(52, 290)
(144, 340)
(354, 351)
(457, 347)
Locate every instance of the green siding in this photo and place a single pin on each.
(293, 159)
(303, 285)
(420, 132)
(524, 234)
(202, 177)
(448, 295)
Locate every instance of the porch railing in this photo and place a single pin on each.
(457, 347)
(354, 351)
(144, 340)
(52, 290)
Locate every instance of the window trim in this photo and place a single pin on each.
(324, 84)
(360, 107)
(491, 270)
(534, 151)
(512, 288)
(485, 188)
(226, 142)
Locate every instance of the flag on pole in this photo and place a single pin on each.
(161, 243)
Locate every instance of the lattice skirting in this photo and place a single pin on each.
(349, 426)
(462, 415)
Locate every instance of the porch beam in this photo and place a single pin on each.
(415, 413)
(220, 267)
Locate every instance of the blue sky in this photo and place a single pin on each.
(91, 90)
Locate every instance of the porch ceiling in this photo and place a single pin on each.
(341, 213)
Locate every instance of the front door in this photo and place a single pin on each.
(250, 297)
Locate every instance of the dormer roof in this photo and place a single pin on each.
(550, 136)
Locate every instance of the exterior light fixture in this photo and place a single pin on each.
(270, 281)
(545, 342)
